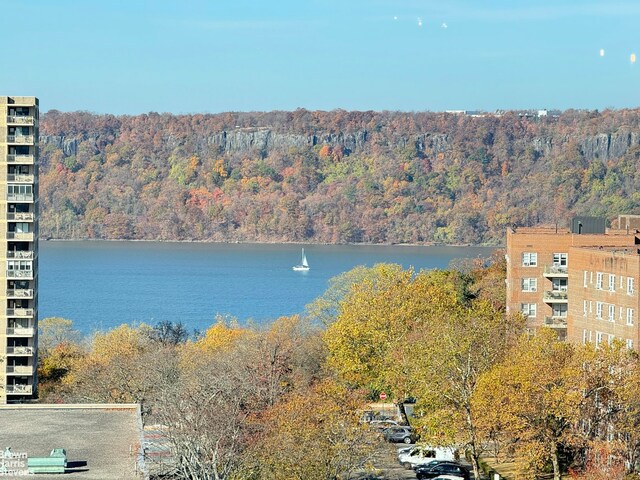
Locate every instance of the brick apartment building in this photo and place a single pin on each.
(603, 287)
(555, 275)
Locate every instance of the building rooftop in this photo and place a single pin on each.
(102, 441)
(616, 250)
(553, 230)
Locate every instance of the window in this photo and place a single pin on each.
(529, 259)
(585, 279)
(584, 337)
(599, 310)
(629, 344)
(20, 189)
(23, 265)
(559, 284)
(529, 284)
(612, 283)
(598, 338)
(630, 286)
(585, 308)
(610, 339)
(18, 227)
(559, 310)
(630, 315)
(528, 309)
(559, 259)
(612, 313)
(599, 280)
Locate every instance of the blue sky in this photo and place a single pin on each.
(134, 56)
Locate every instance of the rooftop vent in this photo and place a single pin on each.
(588, 225)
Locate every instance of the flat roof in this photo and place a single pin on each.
(551, 230)
(616, 250)
(102, 441)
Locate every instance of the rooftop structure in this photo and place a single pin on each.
(18, 247)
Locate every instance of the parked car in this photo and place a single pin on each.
(454, 469)
(448, 477)
(399, 433)
(382, 424)
(424, 454)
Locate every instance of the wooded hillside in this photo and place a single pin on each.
(332, 177)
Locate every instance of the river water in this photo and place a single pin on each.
(100, 285)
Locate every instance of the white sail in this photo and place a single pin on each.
(304, 265)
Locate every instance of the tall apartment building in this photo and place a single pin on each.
(18, 247)
(541, 273)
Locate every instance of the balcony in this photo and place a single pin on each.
(20, 254)
(24, 274)
(17, 351)
(20, 139)
(20, 197)
(19, 389)
(19, 370)
(24, 236)
(20, 293)
(19, 312)
(555, 296)
(556, 271)
(555, 322)
(21, 159)
(20, 120)
(20, 331)
(21, 178)
(21, 216)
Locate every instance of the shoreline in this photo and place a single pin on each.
(205, 242)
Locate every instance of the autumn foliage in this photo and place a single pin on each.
(331, 177)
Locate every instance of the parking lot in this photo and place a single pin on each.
(388, 468)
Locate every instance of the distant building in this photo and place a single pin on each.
(545, 263)
(19, 247)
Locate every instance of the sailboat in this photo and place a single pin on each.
(303, 266)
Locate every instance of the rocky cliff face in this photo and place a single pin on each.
(602, 146)
(69, 146)
(605, 146)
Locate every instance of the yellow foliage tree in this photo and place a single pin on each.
(424, 336)
(124, 341)
(313, 434)
(220, 336)
(535, 396)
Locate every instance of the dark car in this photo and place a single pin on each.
(399, 433)
(442, 468)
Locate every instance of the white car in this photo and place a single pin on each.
(448, 477)
(423, 454)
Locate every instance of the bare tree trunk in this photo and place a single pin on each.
(473, 444)
(556, 463)
(474, 462)
(404, 420)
